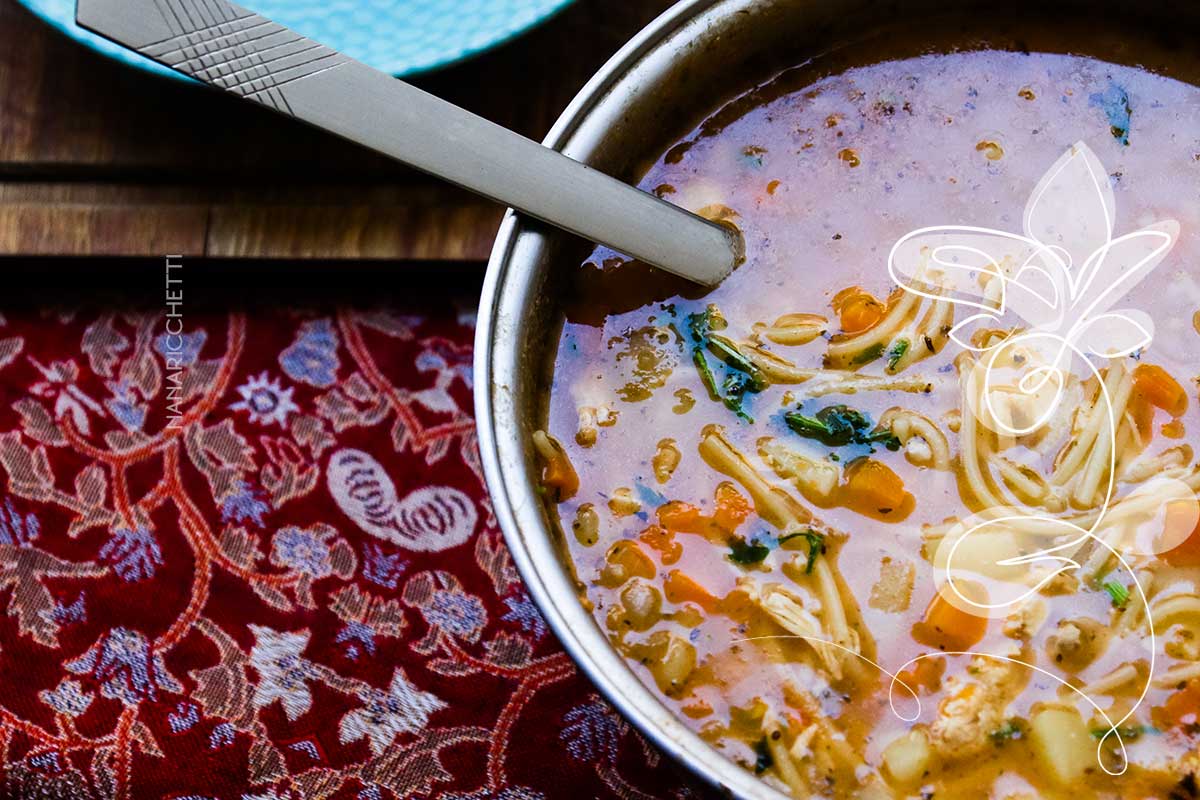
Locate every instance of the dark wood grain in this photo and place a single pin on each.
(98, 158)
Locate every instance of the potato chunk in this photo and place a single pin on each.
(907, 757)
(1061, 740)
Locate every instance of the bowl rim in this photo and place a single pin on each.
(515, 509)
(47, 12)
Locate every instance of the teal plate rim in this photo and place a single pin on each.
(60, 14)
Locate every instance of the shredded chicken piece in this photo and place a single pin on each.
(1023, 624)
(787, 610)
(975, 707)
(816, 478)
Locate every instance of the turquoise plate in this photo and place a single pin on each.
(401, 37)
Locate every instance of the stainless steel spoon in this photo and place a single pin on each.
(229, 47)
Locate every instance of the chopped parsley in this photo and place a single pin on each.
(1118, 593)
(1128, 732)
(729, 353)
(1006, 732)
(742, 375)
(747, 553)
(867, 356)
(838, 426)
(897, 352)
(706, 374)
(816, 546)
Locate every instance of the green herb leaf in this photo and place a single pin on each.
(1006, 732)
(809, 427)
(1118, 593)
(706, 374)
(743, 376)
(867, 356)
(728, 352)
(702, 324)
(838, 426)
(816, 547)
(746, 553)
(887, 439)
(897, 352)
(1127, 732)
(736, 385)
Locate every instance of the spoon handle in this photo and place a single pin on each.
(229, 47)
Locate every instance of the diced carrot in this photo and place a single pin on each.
(730, 512)
(947, 627)
(1161, 390)
(872, 488)
(662, 540)
(732, 507)
(680, 517)
(1180, 525)
(736, 605)
(697, 709)
(857, 310)
(679, 588)
(925, 675)
(1181, 708)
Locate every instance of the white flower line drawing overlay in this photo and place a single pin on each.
(1060, 277)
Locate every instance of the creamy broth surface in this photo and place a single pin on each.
(680, 559)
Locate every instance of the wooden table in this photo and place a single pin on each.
(97, 158)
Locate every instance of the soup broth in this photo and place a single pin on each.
(759, 487)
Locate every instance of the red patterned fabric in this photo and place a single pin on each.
(257, 561)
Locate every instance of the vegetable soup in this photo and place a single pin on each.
(905, 507)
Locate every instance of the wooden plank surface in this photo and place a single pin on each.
(97, 158)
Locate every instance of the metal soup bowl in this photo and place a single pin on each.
(695, 56)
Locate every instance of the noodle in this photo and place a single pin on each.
(773, 504)
(1174, 609)
(828, 381)
(853, 350)
(1112, 681)
(783, 759)
(777, 507)
(906, 425)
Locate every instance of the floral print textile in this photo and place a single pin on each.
(257, 560)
